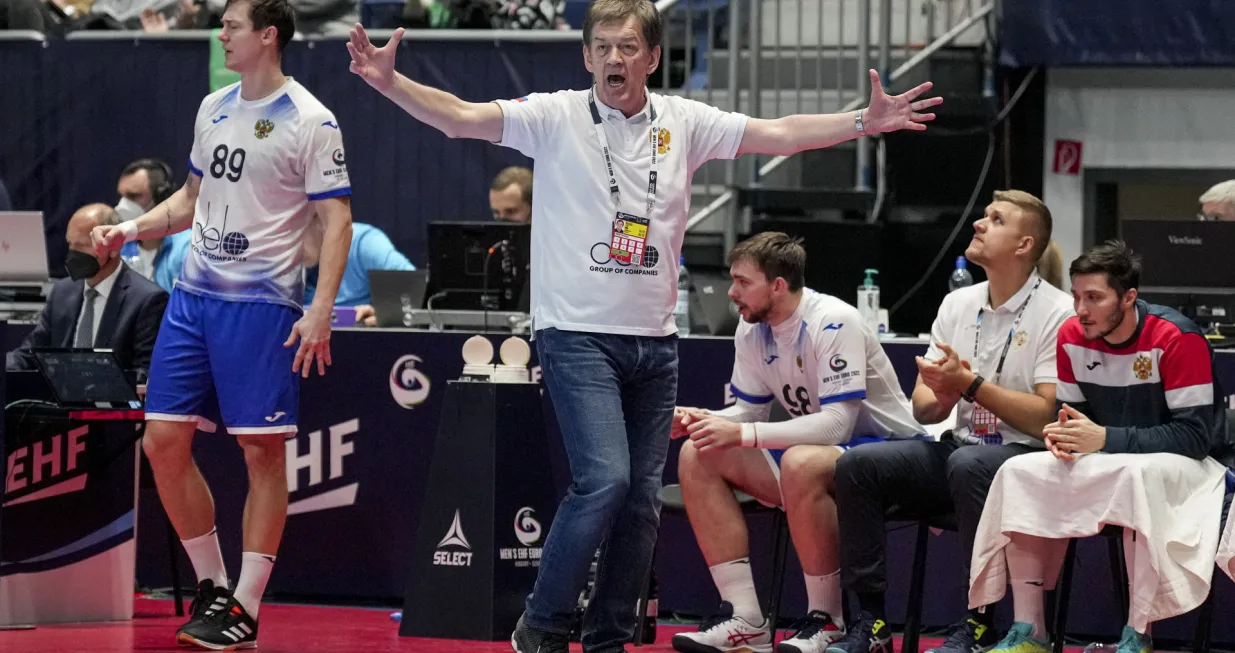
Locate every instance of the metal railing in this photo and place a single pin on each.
(796, 56)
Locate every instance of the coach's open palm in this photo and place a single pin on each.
(313, 330)
(374, 65)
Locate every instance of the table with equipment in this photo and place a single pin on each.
(68, 547)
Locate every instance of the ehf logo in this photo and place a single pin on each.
(337, 157)
(527, 527)
(408, 386)
(837, 363)
(210, 239)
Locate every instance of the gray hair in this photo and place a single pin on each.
(1221, 192)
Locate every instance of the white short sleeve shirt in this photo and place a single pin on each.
(1031, 356)
(580, 281)
(822, 354)
(262, 164)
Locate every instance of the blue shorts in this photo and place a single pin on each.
(773, 456)
(230, 354)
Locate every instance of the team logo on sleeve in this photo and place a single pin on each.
(1142, 367)
(837, 363)
(337, 157)
(263, 128)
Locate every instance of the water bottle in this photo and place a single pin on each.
(868, 301)
(960, 276)
(681, 312)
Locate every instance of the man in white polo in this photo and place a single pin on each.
(992, 357)
(612, 188)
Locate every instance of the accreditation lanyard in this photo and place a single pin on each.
(614, 192)
(1020, 313)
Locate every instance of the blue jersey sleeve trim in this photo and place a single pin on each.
(334, 192)
(750, 399)
(857, 394)
(193, 169)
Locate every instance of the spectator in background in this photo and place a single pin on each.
(143, 185)
(510, 196)
(1218, 203)
(101, 303)
(1050, 266)
(21, 14)
(371, 250)
(313, 17)
(5, 203)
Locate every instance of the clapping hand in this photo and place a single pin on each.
(1072, 434)
(948, 376)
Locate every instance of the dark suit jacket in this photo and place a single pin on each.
(129, 325)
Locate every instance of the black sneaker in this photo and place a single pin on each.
(814, 634)
(207, 599)
(526, 639)
(967, 636)
(227, 629)
(868, 635)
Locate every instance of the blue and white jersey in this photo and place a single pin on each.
(262, 163)
(823, 353)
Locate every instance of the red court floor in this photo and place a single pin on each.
(285, 629)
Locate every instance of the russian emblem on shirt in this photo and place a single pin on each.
(263, 128)
(1020, 339)
(1142, 366)
(662, 141)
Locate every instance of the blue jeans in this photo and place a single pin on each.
(614, 398)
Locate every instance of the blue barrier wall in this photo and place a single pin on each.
(73, 113)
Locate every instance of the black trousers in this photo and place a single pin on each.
(924, 476)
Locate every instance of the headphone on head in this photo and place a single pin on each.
(160, 175)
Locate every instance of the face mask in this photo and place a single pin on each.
(129, 210)
(81, 265)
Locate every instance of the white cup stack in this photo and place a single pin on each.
(515, 356)
(478, 359)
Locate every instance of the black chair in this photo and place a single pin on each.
(671, 502)
(917, 578)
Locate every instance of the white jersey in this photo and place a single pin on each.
(262, 163)
(823, 353)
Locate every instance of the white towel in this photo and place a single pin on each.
(1173, 503)
(1226, 548)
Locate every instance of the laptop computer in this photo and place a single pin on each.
(396, 293)
(86, 379)
(23, 250)
(711, 309)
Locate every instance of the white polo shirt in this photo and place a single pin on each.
(580, 281)
(1031, 356)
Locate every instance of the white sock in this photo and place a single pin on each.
(1027, 573)
(254, 572)
(736, 584)
(823, 594)
(206, 557)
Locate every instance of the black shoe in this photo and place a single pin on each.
(526, 639)
(227, 629)
(868, 635)
(207, 599)
(968, 636)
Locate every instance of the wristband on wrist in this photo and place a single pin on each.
(972, 391)
(858, 124)
(129, 229)
(750, 436)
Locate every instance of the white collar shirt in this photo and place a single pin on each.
(580, 281)
(1031, 355)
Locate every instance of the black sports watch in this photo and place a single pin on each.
(972, 390)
